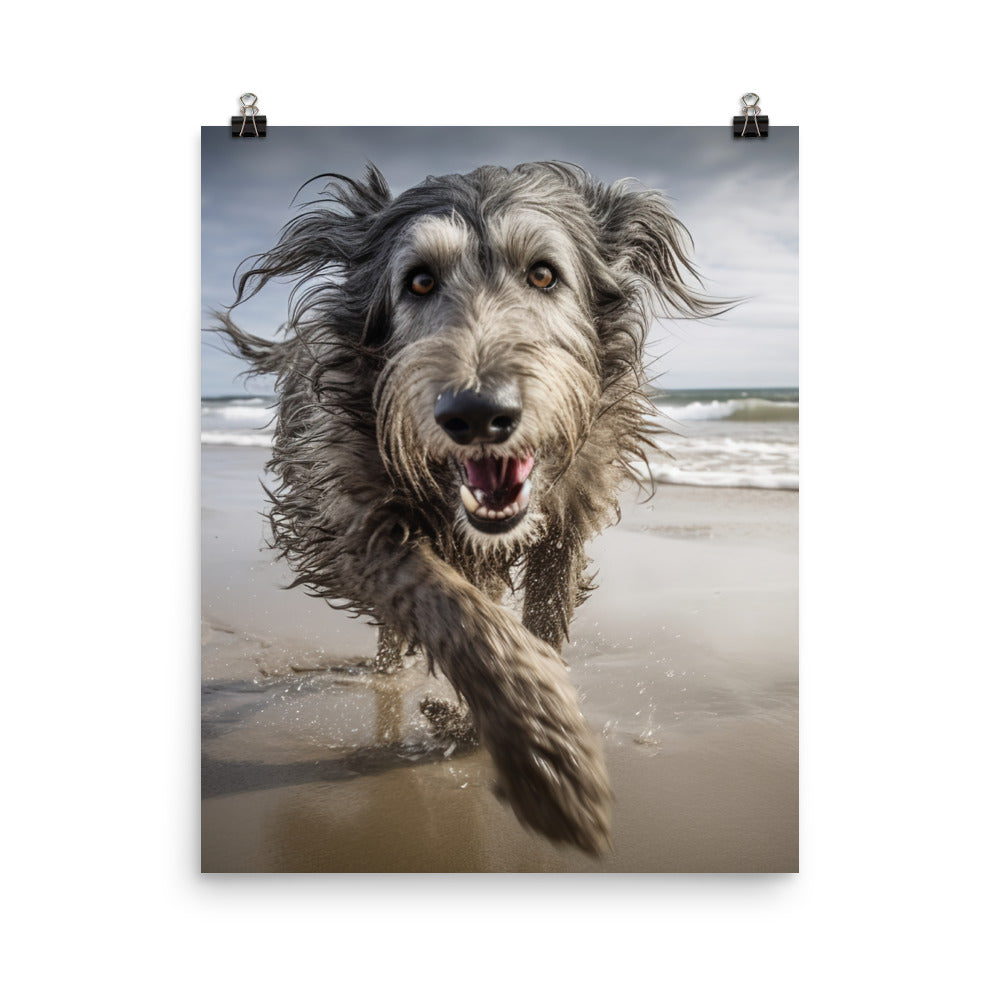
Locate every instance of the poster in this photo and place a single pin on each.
(320, 754)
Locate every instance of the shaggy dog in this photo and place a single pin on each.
(461, 398)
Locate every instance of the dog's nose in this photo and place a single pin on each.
(487, 416)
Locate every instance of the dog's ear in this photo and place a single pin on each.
(642, 239)
(330, 235)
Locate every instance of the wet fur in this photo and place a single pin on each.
(366, 508)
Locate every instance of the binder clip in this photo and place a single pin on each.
(257, 127)
(751, 124)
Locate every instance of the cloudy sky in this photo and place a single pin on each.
(738, 198)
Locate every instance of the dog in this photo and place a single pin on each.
(461, 400)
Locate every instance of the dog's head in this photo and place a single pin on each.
(502, 315)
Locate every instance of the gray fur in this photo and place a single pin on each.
(367, 508)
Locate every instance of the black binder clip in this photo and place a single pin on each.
(257, 128)
(751, 124)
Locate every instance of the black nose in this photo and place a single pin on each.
(489, 415)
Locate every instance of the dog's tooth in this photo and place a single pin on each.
(525, 493)
(508, 511)
(470, 502)
(482, 512)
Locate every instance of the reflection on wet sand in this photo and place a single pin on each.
(692, 805)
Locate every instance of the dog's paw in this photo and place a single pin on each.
(450, 722)
(550, 764)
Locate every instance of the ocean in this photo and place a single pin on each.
(728, 437)
(745, 438)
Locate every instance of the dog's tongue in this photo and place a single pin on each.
(493, 474)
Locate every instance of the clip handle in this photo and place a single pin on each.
(751, 112)
(238, 123)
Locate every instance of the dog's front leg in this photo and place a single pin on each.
(550, 764)
(389, 655)
(551, 581)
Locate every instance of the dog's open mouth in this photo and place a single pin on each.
(496, 491)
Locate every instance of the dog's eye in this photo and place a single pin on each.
(422, 283)
(541, 276)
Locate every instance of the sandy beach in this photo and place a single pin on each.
(685, 658)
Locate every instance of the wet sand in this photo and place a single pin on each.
(685, 657)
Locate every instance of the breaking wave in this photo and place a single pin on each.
(749, 410)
